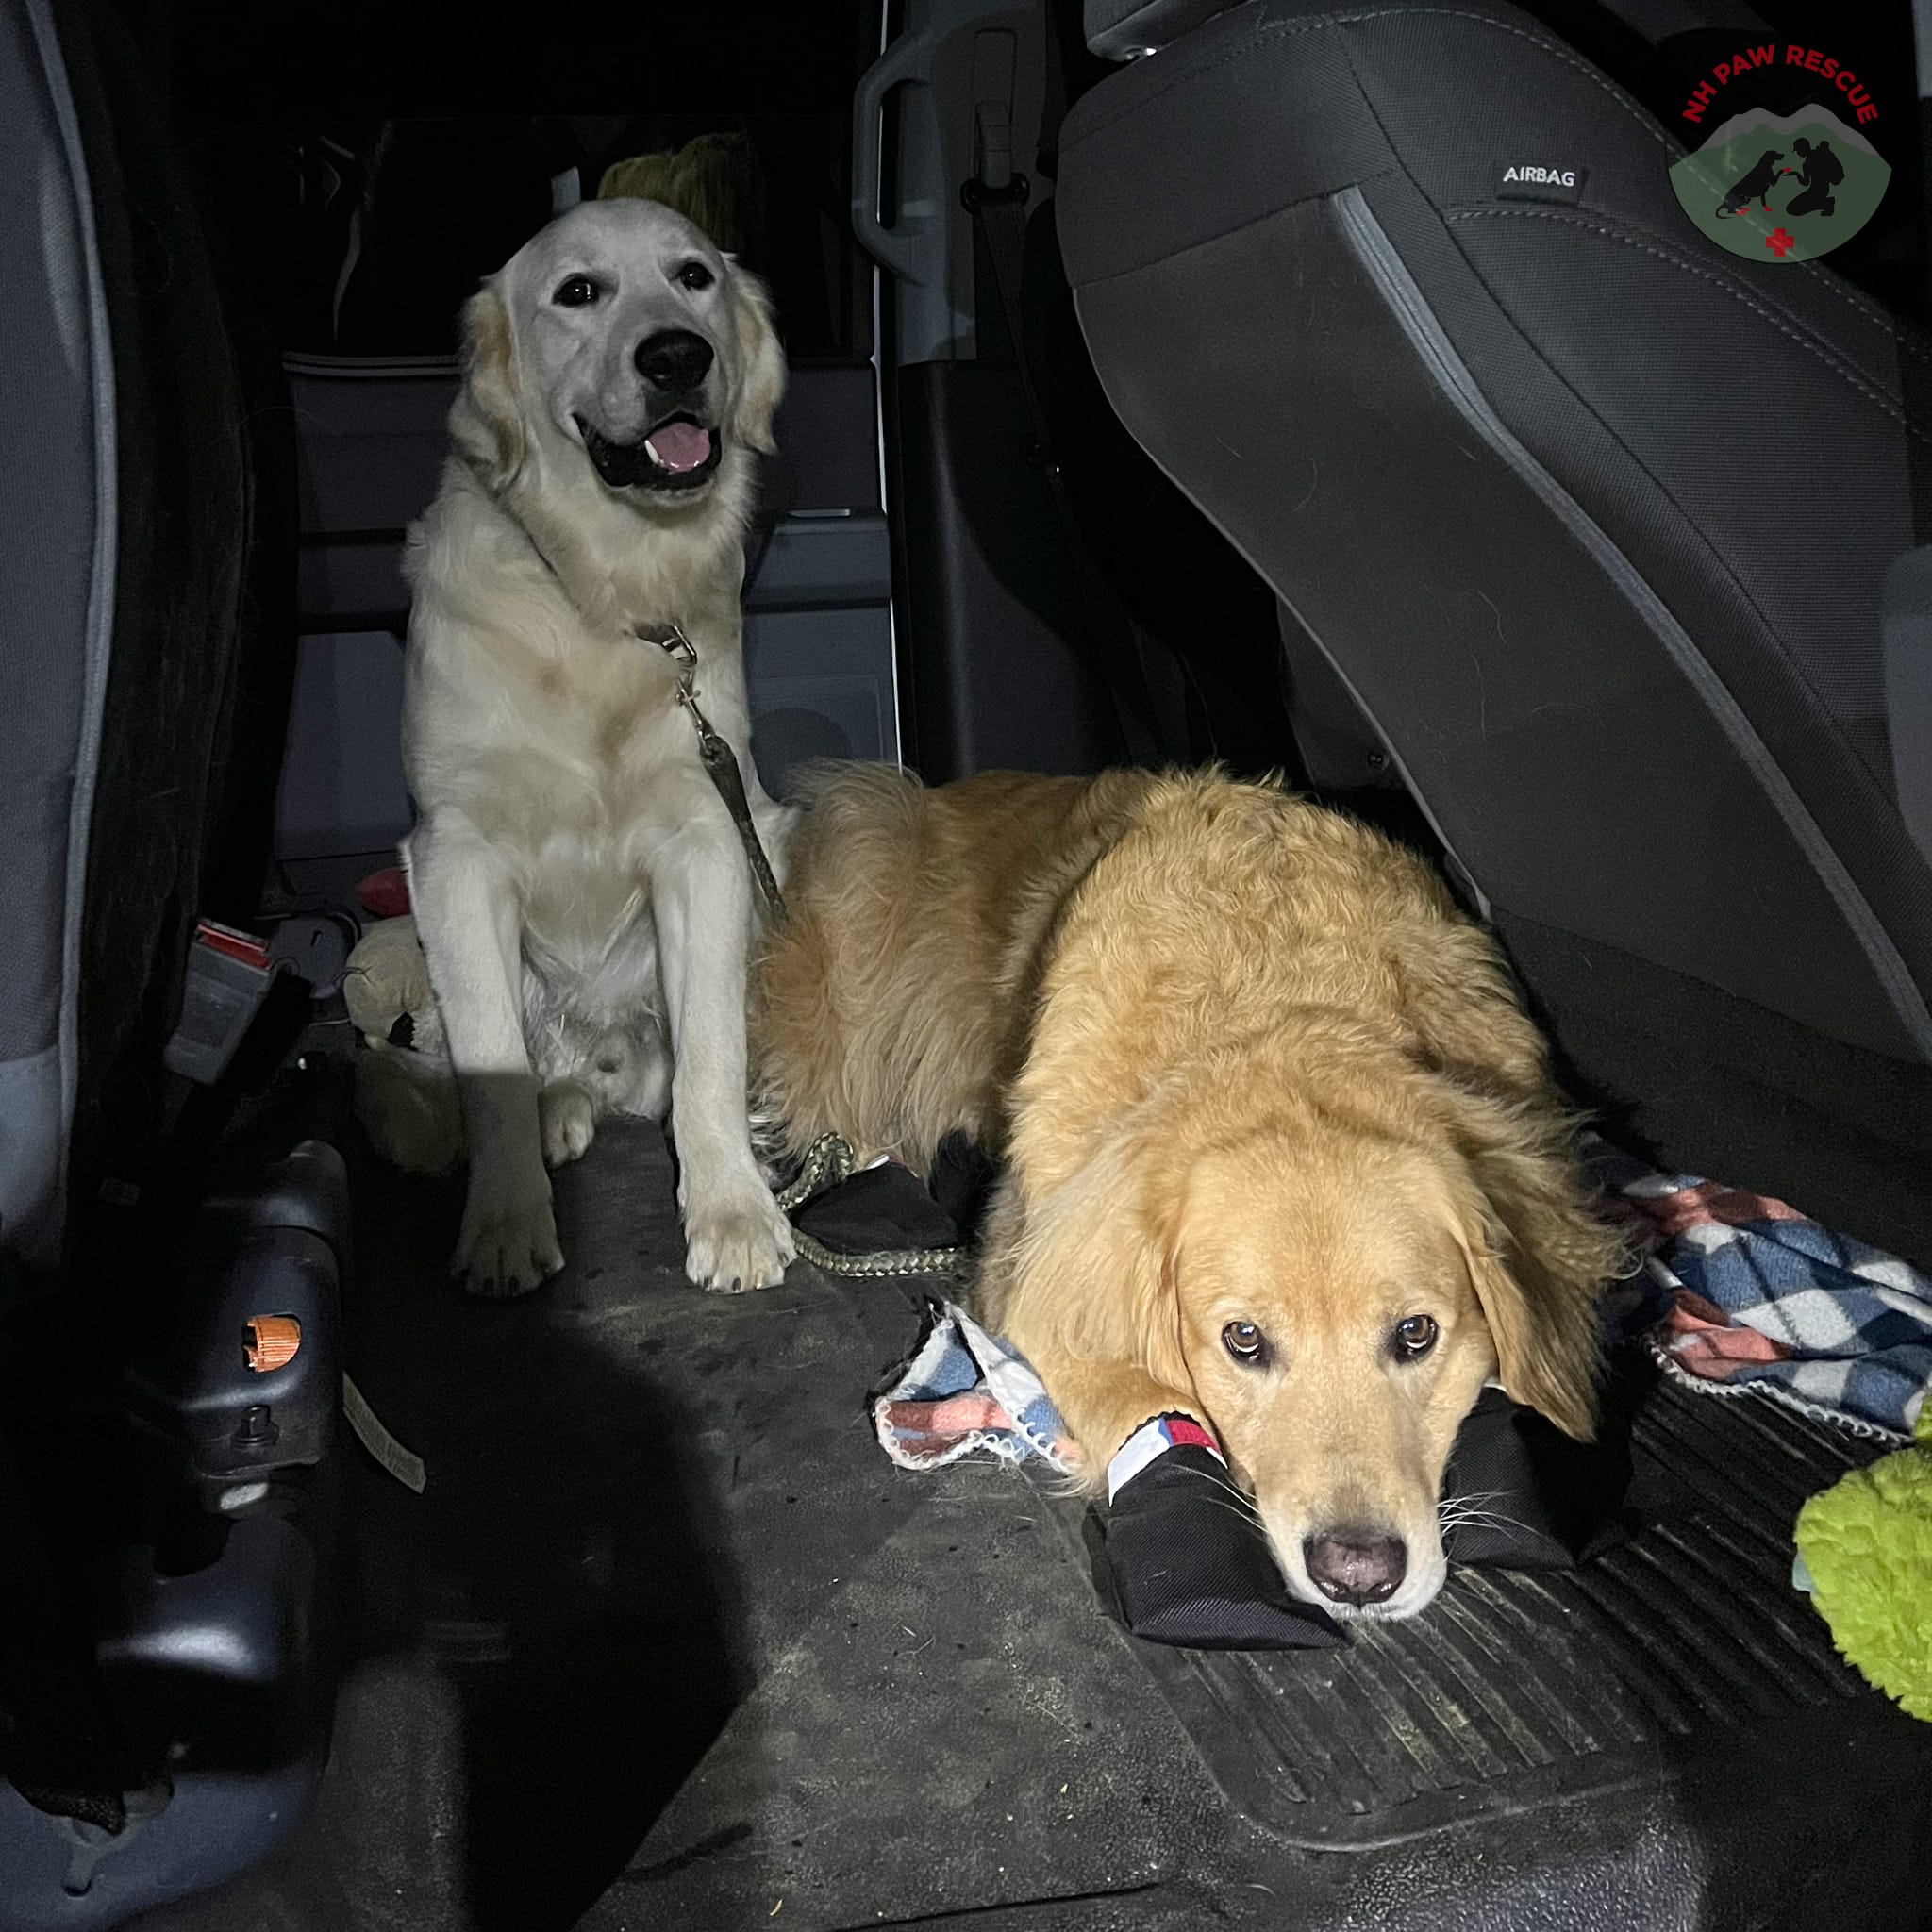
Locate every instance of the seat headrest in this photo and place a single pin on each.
(1126, 30)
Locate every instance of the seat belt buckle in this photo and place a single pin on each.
(995, 180)
(229, 974)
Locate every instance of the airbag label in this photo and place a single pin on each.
(1539, 181)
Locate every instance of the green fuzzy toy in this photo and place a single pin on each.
(1867, 1542)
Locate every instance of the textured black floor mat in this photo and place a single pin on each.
(668, 1645)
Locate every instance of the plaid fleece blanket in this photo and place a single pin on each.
(1736, 1294)
(1747, 1294)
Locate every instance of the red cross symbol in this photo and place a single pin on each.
(1780, 243)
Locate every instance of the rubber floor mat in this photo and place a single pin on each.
(668, 1645)
(1519, 1691)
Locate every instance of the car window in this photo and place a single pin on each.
(368, 177)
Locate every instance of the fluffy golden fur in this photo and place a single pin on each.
(1248, 1065)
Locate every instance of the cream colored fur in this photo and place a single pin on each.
(581, 895)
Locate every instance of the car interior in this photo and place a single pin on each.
(1169, 385)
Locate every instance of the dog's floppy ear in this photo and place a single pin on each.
(1537, 1257)
(487, 423)
(760, 362)
(1102, 1251)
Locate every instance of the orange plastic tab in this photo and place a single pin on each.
(272, 1340)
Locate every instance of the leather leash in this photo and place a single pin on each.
(719, 760)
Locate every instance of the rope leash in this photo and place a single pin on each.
(827, 1161)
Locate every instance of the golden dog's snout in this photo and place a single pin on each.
(1354, 1564)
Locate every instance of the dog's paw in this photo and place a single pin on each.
(739, 1242)
(508, 1246)
(568, 1118)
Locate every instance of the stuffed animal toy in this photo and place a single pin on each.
(714, 181)
(385, 982)
(1867, 1542)
(400, 1081)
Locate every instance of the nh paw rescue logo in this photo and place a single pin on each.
(1786, 165)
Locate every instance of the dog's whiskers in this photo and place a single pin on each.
(1239, 1499)
(1454, 1519)
(1242, 1515)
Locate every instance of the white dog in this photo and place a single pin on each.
(578, 883)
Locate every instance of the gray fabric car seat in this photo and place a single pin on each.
(127, 508)
(147, 564)
(1589, 518)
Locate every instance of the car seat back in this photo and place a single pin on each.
(1590, 517)
(126, 507)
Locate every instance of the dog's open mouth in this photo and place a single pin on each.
(679, 454)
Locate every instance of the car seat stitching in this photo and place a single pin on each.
(1816, 275)
(1290, 29)
(1822, 277)
(1855, 377)
(1721, 566)
(1897, 333)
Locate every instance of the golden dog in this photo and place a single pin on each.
(1283, 1152)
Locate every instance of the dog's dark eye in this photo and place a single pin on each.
(575, 291)
(1245, 1342)
(1415, 1335)
(694, 274)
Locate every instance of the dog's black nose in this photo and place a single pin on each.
(674, 359)
(1353, 1565)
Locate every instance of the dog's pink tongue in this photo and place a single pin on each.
(679, 445)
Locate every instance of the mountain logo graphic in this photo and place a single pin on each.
(1781, 187)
